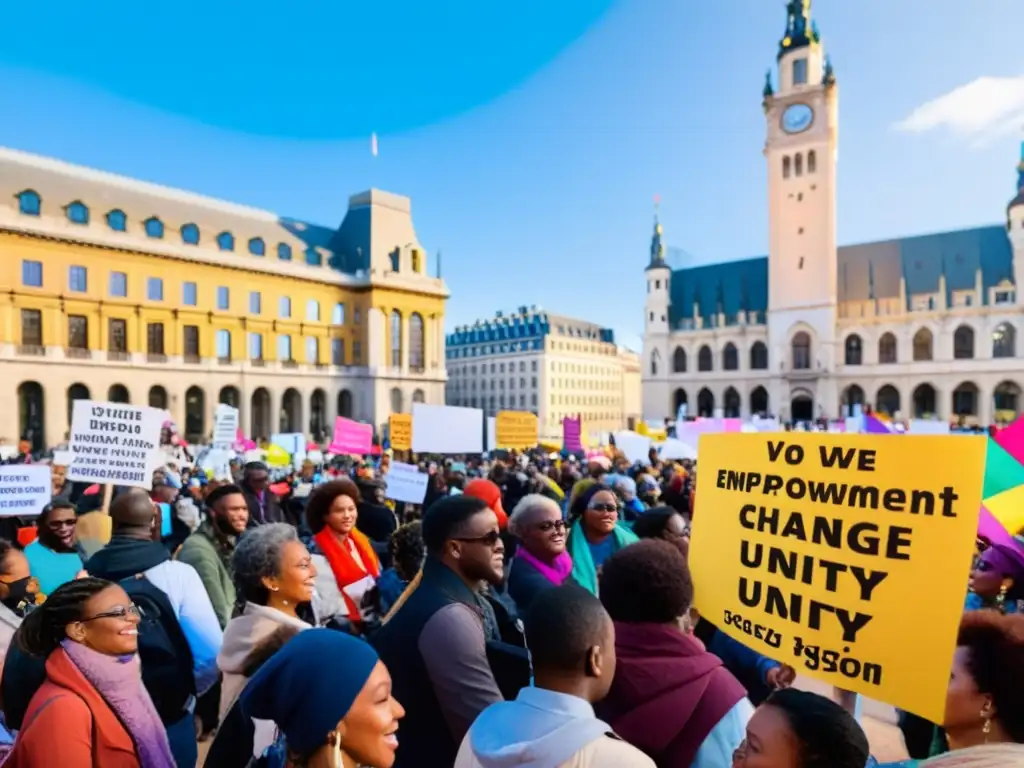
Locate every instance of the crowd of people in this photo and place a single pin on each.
(534, 610)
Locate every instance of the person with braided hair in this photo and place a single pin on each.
(92, 708)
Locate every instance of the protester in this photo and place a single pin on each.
(489, 492)
(274, 576)
(55, 558)
(595, 534)
(997, 580)
(541, 561)
(435, 645)
(92, 710)
(407, 555)
(331, 515)
(797, 729)
(210, 548)
(332, 714)
(572, 644)
(264, 506)
(670, 697)
(374, 518)
(175, 604)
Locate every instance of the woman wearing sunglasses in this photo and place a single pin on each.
(595, 534)
(92, 708)
(541, 561)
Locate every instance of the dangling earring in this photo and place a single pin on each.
(1001, 597)
(336, 758)
(987, 727)
(275, 589)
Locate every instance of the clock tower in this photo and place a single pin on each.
(801, 148)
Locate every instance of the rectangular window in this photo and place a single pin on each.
(255, 346)
(155, 289)
(189, 294)
(223, 298)
(800, 71)
(118, 284)
(284, 307)
(32, 328)
(32, 274)
(224, 345)
(312, 350)
(357, 352)
(117, 335)
(284, 348)
(78, 280)
(190, 342)
(255, 302)
(337, 352)
(78, 332)
(155, 338)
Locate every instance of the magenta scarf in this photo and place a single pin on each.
(118, 679)
(556, 573)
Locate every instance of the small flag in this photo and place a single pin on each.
(373, 144)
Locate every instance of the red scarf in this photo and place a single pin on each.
(344, 567)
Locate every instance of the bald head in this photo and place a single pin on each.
(133, 513)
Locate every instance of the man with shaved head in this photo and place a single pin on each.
(185, 620)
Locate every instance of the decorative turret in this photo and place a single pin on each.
(768, 91)
(1015, 230)
(829, 77)
(1018, 201)
(801, 32)
(657, 246)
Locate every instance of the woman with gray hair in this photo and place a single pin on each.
(274, 575)
(541, 561)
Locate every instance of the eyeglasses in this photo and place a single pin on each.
(604, 507)
(548, 525)
(121, 612)
(489, 539)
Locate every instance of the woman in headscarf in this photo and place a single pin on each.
(329, 697)
(984, 719)
(595, 534)
(997, 580)
(92, 710)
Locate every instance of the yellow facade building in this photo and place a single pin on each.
(122, 290)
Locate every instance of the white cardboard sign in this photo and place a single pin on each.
(24, 489)
(114, 443)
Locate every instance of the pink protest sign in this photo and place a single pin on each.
(571, 430)
(1011, 440)
(351, 437)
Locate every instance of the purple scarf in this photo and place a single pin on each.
(556, 573)
(118, 679)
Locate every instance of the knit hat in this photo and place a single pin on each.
(309, 686)
(487, 491)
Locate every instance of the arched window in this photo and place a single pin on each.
(853, 349)
(118, 393)
(195, 415)
(226, 241)
(888, 400)
(284, 252)
(190, 234)
(852, 397)
(76, 392)
(290, 419)
(812, 162)
(786, 167)
(963, 343)
(759, 357)
(32, 413)
(798, 164)
(257, 247)
(924, 401)
(923, 345)
(77, 212)
(419, 396)
(1005, 399)
(313, 257)
(396, 400)
(416, 361)
(338, 314)
(157, 397)
(801, 351)
(313, 311)
(396, 339)
(731, 360)
(680, 398)
(345, 404)
(705, 361)
(154, 227)
(759, 401)
(965, 399)
(732, 403)
(679, 360)
(117, 220)
(1004, 341)
(887, 348)
(29, 203)
(705, 403)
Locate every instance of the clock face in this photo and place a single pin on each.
(797, 118)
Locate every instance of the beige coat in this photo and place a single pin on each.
(605, 752)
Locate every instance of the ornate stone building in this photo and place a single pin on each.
(919, 326)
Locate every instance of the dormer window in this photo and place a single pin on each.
(77, 213)
(800, 71)
(29, 203)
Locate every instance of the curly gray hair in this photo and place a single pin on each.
(525, 510)
(257, 557)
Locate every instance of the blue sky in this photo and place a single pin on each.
(532, 141)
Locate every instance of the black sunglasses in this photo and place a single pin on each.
(548, 525)
(490, 539)
(604, 507)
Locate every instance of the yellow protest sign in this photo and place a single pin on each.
(400, 430)
(515, 429)
(818, 549)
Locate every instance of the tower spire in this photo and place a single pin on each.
(657, 247)
(800, 30)
(1020, 169)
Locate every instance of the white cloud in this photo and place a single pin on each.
(979, 111)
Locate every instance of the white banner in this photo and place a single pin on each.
(114, 443)
(24, 489)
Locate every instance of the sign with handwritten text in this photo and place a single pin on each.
(400, 431)
(516, 429)
(818, 549)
